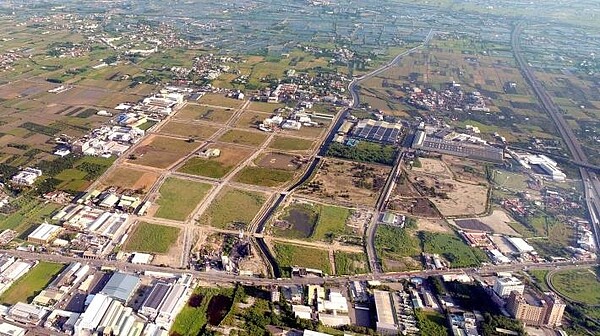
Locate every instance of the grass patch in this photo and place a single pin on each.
(292, 255)
(454, 250)
(152, 238)
(579, 285)
(243, 137)
(300, 220)
(29, 285)
(224, 212)
(145, 126)
(205, 167)
(364, 152)
(264, 176)
(284, 143)
(398, 248)
(350, 263)
(70, 175)
(331, 223)
(173, 191)
(539, 276)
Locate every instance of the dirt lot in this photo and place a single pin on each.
(251, 119)
(432, 225)
(231, 155)
(418, 206)
(464, 199)
(465, 169)
(498, 222)
(173, 257)
(347, 182)
(204, 113)
(24, 88)
(189, 130)
(279, 161)
(130, 179)
(161, 152)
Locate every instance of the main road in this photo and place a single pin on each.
(589, 177)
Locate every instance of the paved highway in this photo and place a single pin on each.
(590, 179)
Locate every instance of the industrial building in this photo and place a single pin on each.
(520, 245)
(155, 299)
(44, 233)
(377, 131)
(7, 329)
(540, 164)
(105, 315)
(503, 286)
(532, 310)
(121, 286)
(26, 177)
(27, 313)
(387, 321)
(457, 144)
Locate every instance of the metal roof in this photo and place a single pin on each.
(121, 286)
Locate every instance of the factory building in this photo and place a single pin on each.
(27, 313)
(44, 233)
(121, 286)
(377, 131)
(520, 245)
(387, 323)
(26, 176)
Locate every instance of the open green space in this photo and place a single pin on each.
(205, 167)
(431, 323)
(233, 209)
(243, 137)
(264, 176)
(331, 223)
(30, 284)
(178, 198)
(292, 144)
(152, 238)
(539, 276)
(350, 263)
(293, 255)
(397, 247)
(314, 221)
(452, 248)
(364, 152)
(580, 285)
(31, 211)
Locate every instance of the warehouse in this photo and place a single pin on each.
(521, 245)
(44, 233)
(378, 131)
(121, 286)
(156, 298)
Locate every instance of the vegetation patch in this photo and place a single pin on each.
(152, 238)
(173, 191)
(350, 263)
(243, 137)
(205, 167)
(579, 285)
(264, 176)
(293, 255)
(32, 283)
(454, 250)
(398, 248)
(364, 151)
(291, 144)
(224, 212)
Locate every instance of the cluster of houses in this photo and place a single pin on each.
(450, 99)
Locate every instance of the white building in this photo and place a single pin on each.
(520, 244)
(26, 176)
(44, 233)
(7, 329)
(503, 286)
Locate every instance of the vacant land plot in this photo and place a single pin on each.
(499, 222)
(464, 199)
(454, 250)
(264, 176)
(350, 263)
(292, 255)
(217, 167)
(204, 113)
(161, 152)
(264, 107)
(130, 179)
(290, 144)
(398, 248)
(28, 286)
(189, 130)
(172, 193)
(279, 161)
(152, 238)
(331, 223)
(215, 99)
(251, 119)
(580, 285)
(347, 182)
(244, 137)
(297, 221)
(224, 212)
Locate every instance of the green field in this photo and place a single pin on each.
(173, 191)
(152, 238)
(225, 212)
(292, 255)
(292, 144)
(579, 285)
(398, 248)
(243, 137)
(539, 276)
(331, 223)
(350, 263)
(205, 167)
(264, 176)
(29, 285)
(30, 212)
(451, 248)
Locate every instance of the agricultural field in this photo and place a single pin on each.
(279, 161)
(350, 263)
(452, 248)
(193, 112)
(31, 212)
(188, 130)
(293, 255)
(398, 248)
(217, 167)
(125, 178)
(223, 212)
(264, 176)
(244, 138)
(347, 182)
(152, 238)
(251, 119)
(214, 99)
(172, 191)
(290, 144)
(303, 220)
(579, 285)
(264, 107)
(30, 284)
(161, 152)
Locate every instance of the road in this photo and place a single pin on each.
(589, 177)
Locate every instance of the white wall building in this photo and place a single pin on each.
(503, 286)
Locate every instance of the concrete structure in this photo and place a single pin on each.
(155, 299)
(545, 165)
(531, 310)
(520, 244)
(303, 312)
(26, 176)
(27, 313)
(387, 323)
(121, 286)
(7, 329)
(44, 233)
(503, 286)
